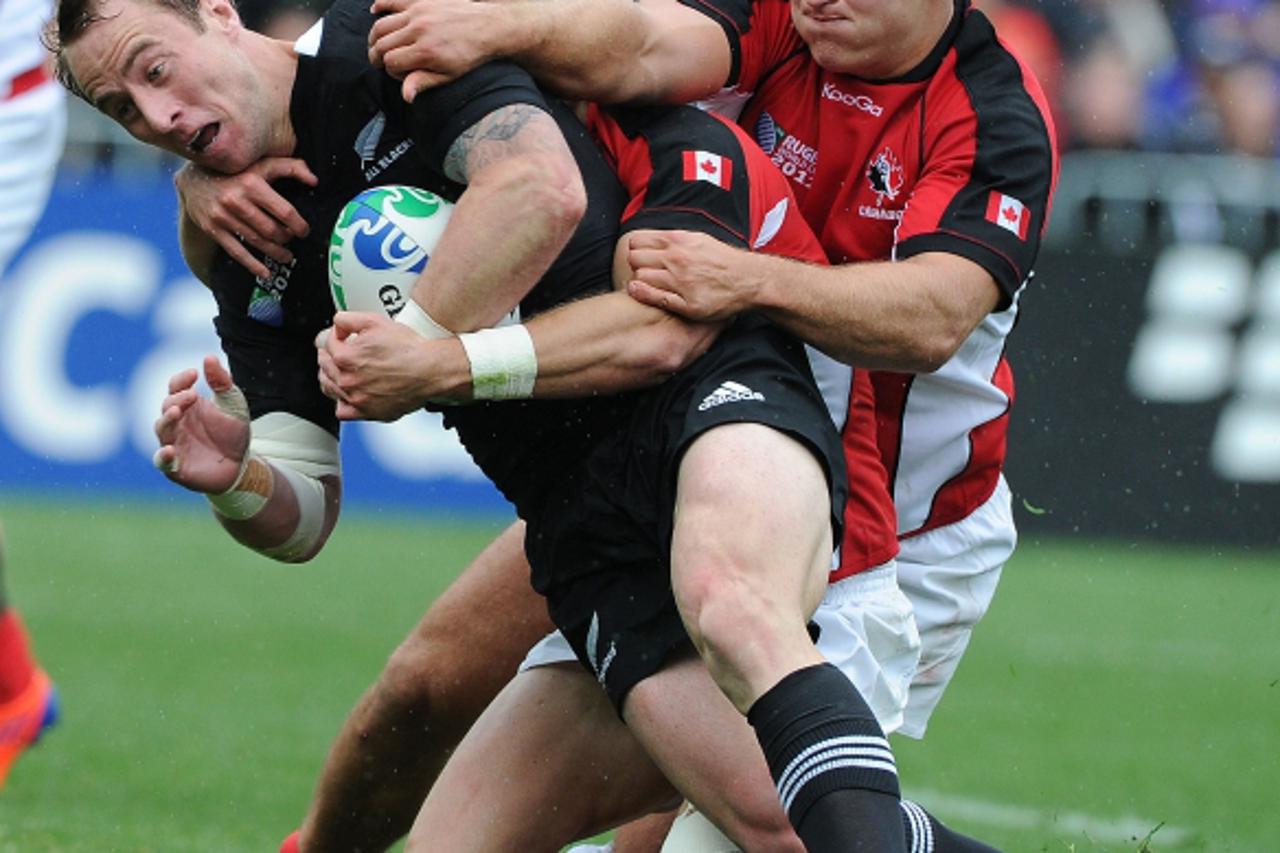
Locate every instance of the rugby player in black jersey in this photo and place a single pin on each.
(617, 490)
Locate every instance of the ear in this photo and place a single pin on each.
(221, 14)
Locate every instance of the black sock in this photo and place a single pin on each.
(831, 762)
(926, 835)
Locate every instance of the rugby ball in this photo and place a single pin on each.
(380, 244)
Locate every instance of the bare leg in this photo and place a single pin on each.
(751, 537)
(750, 555)
(547, 763)
(750, 558)
(710, 755)
(396, 740)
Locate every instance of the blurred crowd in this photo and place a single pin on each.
(1195, 76)
(1191, 76)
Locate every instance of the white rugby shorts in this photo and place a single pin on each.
(950, 576)
(867, 631)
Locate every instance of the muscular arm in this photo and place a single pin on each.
(910, 315)
(601, 50)
(612, 343)
(524, 197)
(600, 345)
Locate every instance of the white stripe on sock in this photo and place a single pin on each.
(922, 830)
(868, 743)
(872, 758)
(835, 763)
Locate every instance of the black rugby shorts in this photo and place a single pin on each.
(600, 546)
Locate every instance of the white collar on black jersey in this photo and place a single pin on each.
(308, 44)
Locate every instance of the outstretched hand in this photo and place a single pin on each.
(245, 206)
(689, 274)
(203, 441)
(429, 42)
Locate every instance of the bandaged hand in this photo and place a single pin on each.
(204, 441)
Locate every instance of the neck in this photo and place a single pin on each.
(278, 62)
(918, 40)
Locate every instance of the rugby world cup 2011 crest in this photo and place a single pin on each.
(796, 159)
(768, 134)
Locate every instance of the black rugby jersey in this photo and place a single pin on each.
(355, 131)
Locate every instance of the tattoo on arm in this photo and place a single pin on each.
(505, 132)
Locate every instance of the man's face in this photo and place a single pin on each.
(869, 38)
(172, 85)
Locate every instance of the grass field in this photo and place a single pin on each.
(1114, 692)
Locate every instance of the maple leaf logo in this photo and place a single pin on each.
(886, 176)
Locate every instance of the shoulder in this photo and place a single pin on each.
(343, 32)
(761, 42)
(984, 92)
(992, 75)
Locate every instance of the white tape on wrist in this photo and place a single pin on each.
(413, 316)
(239, 502)
(504, 365)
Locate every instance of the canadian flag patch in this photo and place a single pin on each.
(1009, 213)
(705, 166)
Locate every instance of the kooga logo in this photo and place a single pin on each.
(858, 102)
(1212, 331)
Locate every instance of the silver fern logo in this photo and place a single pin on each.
(600, 667)
(367, 142)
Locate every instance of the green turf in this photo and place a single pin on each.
(1117, 686)
(201, 685)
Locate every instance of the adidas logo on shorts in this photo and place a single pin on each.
(728, 392)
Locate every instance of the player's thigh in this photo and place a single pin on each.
(474, 636)
(752, 500)
(546, 763)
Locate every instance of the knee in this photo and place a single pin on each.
(435, 681)
(724, 607)
(409, 677)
